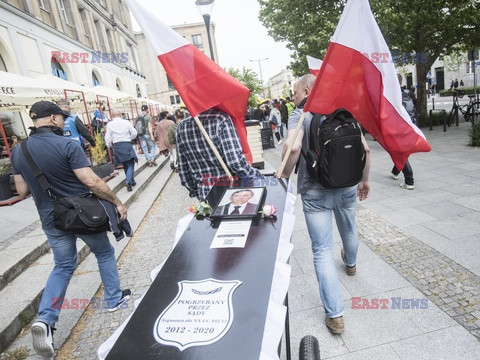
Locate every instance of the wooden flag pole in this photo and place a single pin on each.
(214, 149)
(290, 145)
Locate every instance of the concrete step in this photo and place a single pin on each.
(31, 243)
(29, 260)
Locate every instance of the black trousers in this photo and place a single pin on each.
(407, 173)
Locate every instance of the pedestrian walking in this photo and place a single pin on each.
(276, 120)
(319, 203)
(161, 138)
(119, 135)
(197, 164)
(69, 173)
(145, 130)
(74, 127)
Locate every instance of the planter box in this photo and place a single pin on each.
(5, 191)
(103, 171)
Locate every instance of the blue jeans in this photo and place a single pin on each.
(149, 147)
(64, 249)
(129, 169)
(318, 205)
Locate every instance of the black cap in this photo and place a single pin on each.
(43, 109)
(144, 107)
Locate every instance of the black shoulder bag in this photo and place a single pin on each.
(80, 214)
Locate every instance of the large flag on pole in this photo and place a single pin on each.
(358, 74)
(314, 64)
(201, 83)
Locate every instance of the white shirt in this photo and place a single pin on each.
(119, 130)
(231, 208)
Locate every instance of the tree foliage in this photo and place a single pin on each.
(248, 78)
(432, 27)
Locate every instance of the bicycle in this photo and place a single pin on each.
(470, 111)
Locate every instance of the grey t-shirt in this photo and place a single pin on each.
(304, 181)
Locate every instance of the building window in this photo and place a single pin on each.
(139, 92)
(3, 67)
(57, 69)
(65, 10)
(110, 40)
(83, 16)
(44, 5)
(95, 80)
(172, 100)
(100, 38)
(177, 98)
(171, 87)
(197, 41)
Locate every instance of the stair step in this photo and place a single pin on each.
(21, 295)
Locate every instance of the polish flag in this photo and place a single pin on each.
(201, 83)
(314, 64)
(358, 74)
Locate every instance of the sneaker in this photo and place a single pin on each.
(351, 270)
(394, 177)
(154, 163)
(172, 166)
(406, 186)
(129, 187)
(125, 297)
(335, 325)
(119, 235)
(42, 335)
(280, 142)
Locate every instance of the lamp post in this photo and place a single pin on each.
(205, 7)
(260, 66)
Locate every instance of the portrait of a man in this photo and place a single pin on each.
(238, 202)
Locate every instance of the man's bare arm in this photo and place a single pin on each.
(100, 188)
(21, 185)
(294, 154)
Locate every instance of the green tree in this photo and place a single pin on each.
(434, 28)
(248, 78)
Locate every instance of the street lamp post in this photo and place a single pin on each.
(205, 7)
(260, 66)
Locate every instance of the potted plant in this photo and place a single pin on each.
(5, 171)
(103, 168)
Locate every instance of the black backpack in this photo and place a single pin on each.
(140, 126)
(336, 157)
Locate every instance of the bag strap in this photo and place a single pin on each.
(36, 170)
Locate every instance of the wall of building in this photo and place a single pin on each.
(281, 84)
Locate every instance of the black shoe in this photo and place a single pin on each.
(172, 165)
(125, 297)
(134, 183)
(129, 187)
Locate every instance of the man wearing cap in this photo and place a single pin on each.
(68, 171)
(147, 140)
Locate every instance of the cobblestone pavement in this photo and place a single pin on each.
(448, 285)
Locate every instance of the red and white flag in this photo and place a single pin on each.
(201, 83)
(358, 74)
(314, 65)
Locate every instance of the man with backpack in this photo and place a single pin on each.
(321, 201)
(144, 127)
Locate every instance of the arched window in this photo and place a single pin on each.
(95, 80)
(139, 92)
(57, 69)
(3, 67)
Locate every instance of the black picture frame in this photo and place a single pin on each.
(253, 204)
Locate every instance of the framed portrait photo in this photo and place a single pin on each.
(237, 203)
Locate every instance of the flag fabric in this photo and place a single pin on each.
(314, 64)
(201, 83)
(358, 74)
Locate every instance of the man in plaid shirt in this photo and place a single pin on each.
(198, 167)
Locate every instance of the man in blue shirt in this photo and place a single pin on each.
(68, 171)
(74, 127)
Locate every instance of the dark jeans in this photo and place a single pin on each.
(407, 173)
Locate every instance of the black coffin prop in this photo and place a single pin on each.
(192, 259)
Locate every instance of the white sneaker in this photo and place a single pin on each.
(280, 142)
(42, 335)
(406, 186)
(394, 177)
(125, 297)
